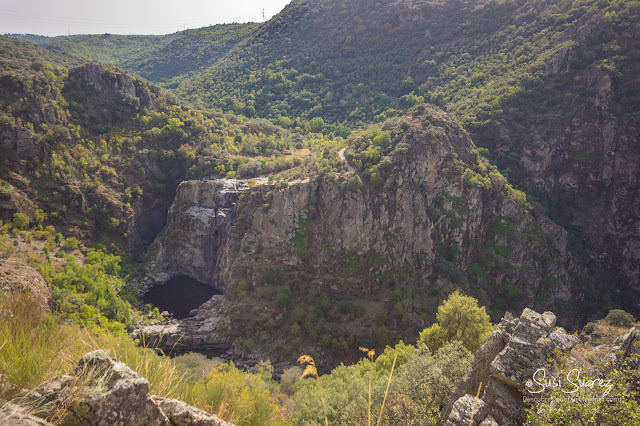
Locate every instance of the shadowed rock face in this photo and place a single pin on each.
(179, 296)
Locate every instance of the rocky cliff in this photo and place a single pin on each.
(356, 255)
(502, 367)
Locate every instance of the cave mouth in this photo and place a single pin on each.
(180, 295)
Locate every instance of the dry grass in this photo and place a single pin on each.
(386, 392)
(311, 370)
(370, 353)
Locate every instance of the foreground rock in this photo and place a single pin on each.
(16, 415)
(504, 364)
(104, 391)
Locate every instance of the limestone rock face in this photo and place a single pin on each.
(506, 361)
(180, 413)
(625, 347)
(15, 415)
(111, 84)
(14, 201)
(104, 391)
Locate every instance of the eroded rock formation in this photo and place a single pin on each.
(516, 349)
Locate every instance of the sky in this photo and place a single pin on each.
(61, 17)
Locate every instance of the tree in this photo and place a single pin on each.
(70, 244)
(459, 318)
(316, 124)
(354, 183)
(20, 220)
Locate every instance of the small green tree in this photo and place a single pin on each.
(316, 124)
(40, 216)
(459, 318)
(20, 220)
(354, 183)
(70, 244)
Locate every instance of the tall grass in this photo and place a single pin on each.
(311, 370)
(370, 353)
(33, 346)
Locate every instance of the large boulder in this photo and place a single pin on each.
(104, 391)
(504, 364)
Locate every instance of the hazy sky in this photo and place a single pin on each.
(58, 17)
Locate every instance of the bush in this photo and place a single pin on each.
(70, 244)
(588, 404)
(619, 317)
(20, 220)
(289, 378)
(354, 183)
(459, 318)
(239, 397)
(589, 328)
(282, 299)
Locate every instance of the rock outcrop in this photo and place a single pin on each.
(16, 415)
(102, 391)
(208, 328)
(198, 221)
(626, 347)
(111, 84)
(425, 228)
(24, 279)
(504, 364)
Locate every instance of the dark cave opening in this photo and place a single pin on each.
(180, 295)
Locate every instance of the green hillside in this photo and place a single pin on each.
(165, 60)
(353, 61)
(104, 150)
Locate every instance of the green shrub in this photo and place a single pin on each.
(459, 318)
(70, 244)
(619, 317)
(20, 220)
(354, 183)
(589, 405)
(289, 378)
(589, 328)
(236, 396)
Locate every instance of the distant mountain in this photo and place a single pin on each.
(165, 60)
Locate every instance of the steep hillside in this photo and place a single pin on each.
(165, 60)
(353, 60)
(551, 88)
(104, 151)
(336, 264)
